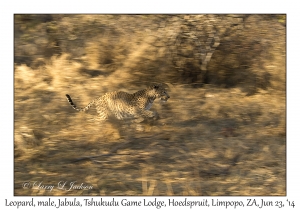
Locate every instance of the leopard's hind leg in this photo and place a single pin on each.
(102, 114)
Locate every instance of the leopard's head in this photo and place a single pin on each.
(161, 92)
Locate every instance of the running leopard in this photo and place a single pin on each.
(123, 105)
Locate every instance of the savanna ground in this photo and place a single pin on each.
(222, 132)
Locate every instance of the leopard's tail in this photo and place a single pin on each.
(75, 107)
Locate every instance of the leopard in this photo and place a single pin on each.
(122, 105)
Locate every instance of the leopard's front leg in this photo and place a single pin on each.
(149, 114)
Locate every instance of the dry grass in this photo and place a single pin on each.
(208, 141)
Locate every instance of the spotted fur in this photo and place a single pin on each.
(124, 105)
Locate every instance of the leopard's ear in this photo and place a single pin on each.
(156, 87)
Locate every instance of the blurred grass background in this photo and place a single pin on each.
(222, 132)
